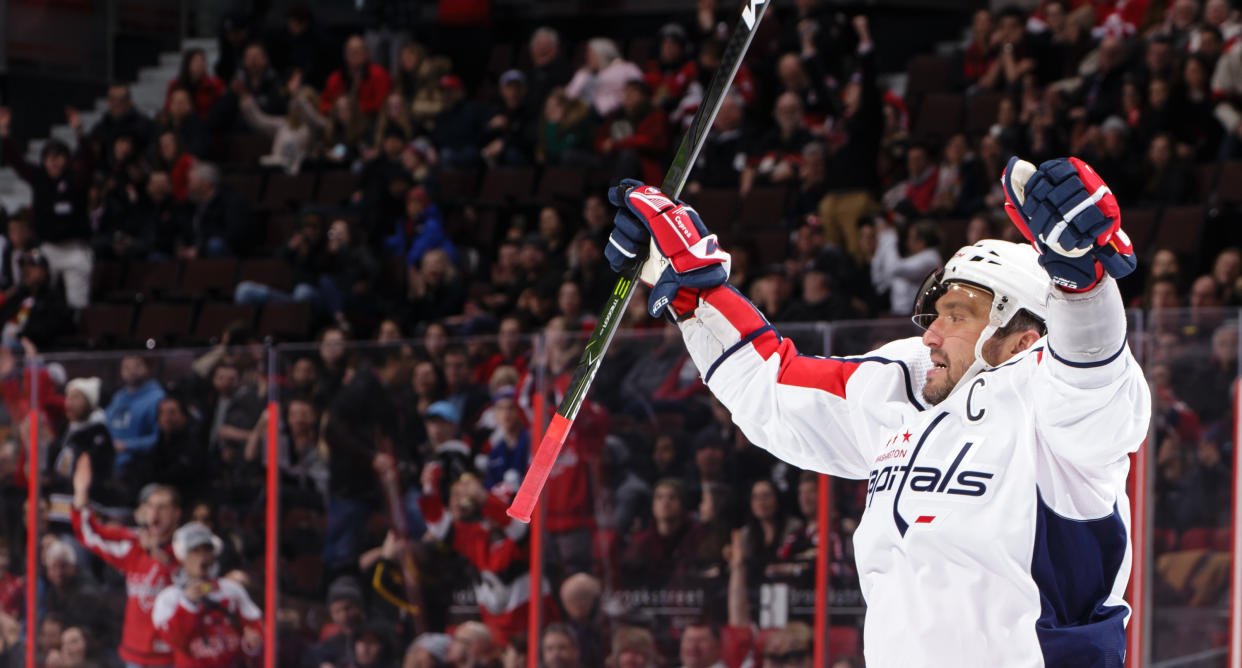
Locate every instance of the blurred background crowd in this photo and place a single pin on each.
(416, 212)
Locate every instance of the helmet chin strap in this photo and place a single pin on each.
(978, 364)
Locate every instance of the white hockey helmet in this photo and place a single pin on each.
(1010, 271)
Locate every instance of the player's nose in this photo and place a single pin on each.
(930, 338)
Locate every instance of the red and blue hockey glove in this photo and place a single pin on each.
(1071, 217)
(690, 259)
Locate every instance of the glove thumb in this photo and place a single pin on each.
(1017, 173)
(617, 193)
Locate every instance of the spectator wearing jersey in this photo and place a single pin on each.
(209, 622)
(143, 556)
(671, 72)
(132, 411)
(777, 156)
(359, 78)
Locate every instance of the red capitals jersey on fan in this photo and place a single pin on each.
(145, 578)
(207, 634)
(568, 499)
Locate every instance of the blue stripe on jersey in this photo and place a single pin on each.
(1075, 564)
(707, 377)
(1087, 365)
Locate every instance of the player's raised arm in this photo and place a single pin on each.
(1094, 404)
(808, 411)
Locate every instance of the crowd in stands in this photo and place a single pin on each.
(409, 192)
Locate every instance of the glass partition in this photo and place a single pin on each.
(1192, 365)
(395, 461)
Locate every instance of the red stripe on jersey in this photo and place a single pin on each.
(925, 519)
(816, 373)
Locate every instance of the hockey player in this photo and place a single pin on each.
(996, 527)
(209, 622)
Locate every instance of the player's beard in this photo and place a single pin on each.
(937, 390)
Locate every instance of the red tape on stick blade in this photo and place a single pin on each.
(537, 476)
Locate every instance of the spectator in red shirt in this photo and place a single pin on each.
(210, 622)
(359, 77)
(143, 556)
(670, 74)
(671, 541)
(204, 89)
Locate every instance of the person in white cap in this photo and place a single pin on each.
(995, 447)
(209, 622)
(87, 433)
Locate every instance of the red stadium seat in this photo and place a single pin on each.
(106, 324)
(717, 207)
(1180, 229)
(562, 183)
(762, 207)
(981, 112)
(843, 641)
(1222, 539)
(1229, 183)
(1140, 225)
(288, 320)
(928, 74)
(288, 190)
(1199, 538)
(507, 185)
(939, 117)
(1164, 540)
(335, 186)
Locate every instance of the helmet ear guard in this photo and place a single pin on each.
(1009, 272)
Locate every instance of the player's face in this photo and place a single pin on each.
(961, 315)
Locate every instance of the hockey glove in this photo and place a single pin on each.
(1071, 217)
(694, 260)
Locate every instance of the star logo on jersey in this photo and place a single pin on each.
(905, 438)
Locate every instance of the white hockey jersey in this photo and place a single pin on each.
(996, 529)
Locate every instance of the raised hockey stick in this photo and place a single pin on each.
(674, 180)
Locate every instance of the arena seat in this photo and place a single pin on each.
(216, 317)
(106, 324)
(939, 117)
(247, 187)
(1222, 539)
(762, 207)
(1199, 538)
(717, 207)
(1140, 224)
(457, 185)
(844, 641)
(1180, 229)
(285, 191)
(560, 183)
(106, 278)
(286, 320)
(148, 278)
(163, 323)
(1229, 182)
(927, 74)
(203, 276)
(335, 187)
(505, 186)
(981, 109)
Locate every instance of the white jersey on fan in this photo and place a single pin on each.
(996, 529)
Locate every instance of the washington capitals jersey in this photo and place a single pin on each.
(996, 525)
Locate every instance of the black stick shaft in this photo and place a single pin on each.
(674, 180)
